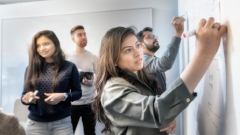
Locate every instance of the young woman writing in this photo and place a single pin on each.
(129, 101)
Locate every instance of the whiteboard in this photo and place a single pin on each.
(216, 108)
(17, 35)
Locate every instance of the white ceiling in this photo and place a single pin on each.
(3, 2)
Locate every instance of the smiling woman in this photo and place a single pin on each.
(46, 48)
(53, 77)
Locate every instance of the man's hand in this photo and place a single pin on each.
(29, 95)
(54, 98)
(170, 128)
(87, 82)
(178, 25)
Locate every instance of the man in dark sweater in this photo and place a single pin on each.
(155, 65)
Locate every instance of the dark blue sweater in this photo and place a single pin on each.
(68, 77)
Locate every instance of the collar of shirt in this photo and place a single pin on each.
(149, 54)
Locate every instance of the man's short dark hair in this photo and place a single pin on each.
(140, 34)
(78, 27)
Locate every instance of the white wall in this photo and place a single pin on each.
(163, 12)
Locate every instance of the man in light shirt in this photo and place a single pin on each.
(85, 62)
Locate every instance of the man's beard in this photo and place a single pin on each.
(83, 44)
(153, 48)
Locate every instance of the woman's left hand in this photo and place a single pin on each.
(54, 98)
(170, 128)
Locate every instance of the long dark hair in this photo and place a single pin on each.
(37, 63)
(108, 56)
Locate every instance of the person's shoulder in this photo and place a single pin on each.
(8, 121)
(68, 63)
(117, 81)
(6, 118)
(145, 55)
(69, 52)
(117, 86)
(91, 54)
(146, 59)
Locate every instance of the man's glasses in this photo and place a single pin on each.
(149, 36)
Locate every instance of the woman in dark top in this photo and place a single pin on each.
(52, 76)
(128, 100)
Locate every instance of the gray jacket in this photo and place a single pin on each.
(132, 113)
(155, 65)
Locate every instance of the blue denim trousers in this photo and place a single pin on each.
(59, 127)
